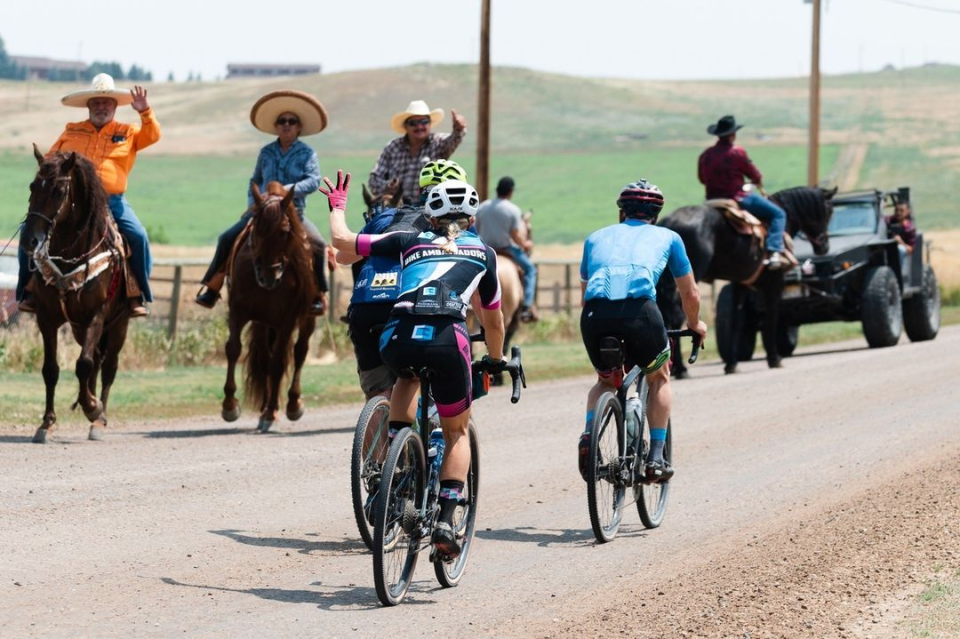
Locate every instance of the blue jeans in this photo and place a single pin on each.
(133, 233)
(529, 274)
(770, 213)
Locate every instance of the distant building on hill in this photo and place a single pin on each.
(270, 70)
(47, 69)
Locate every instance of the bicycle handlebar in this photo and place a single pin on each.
(697, 342)
(514, 367)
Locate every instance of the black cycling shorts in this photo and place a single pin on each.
(413, 342)
(366, 321)
(636, 321)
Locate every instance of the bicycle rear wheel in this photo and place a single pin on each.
(605, 488)
(652, 498)
(370, 443)
(465, 518)
(396, 524)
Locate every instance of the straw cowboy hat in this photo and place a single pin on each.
(417, 107)
(313, 117)
(100, 87)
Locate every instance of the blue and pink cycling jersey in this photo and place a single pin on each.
(424, 261)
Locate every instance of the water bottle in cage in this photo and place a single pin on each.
(435, 448)
(632, 419)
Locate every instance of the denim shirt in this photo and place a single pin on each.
(298, 167)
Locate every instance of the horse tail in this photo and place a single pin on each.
(256, 378)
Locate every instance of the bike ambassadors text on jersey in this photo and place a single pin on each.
(475, 253)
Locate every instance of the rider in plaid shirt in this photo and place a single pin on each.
(403, 158)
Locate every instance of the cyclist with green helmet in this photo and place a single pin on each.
(377, 281)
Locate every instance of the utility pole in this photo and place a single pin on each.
(813, 157)
(482, 178)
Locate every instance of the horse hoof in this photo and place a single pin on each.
(40, 437)
(231, 415)
(678, 374)
(264, 425)
(97, 411)
(729, 369)
(97, 431)
(775, 364)
(295, 412)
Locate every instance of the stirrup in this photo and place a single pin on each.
(207, 297)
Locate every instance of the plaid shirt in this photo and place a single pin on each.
(396, 162)
(721, 169)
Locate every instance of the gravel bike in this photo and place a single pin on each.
(406, 507)
(618, 450)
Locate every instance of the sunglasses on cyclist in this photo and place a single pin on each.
(418, 122)
(286, 121)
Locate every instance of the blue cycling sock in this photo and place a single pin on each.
(658, 437)
(396, 427)
(451, 492)
(590, 414)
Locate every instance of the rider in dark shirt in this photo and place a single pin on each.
(441, 270)
(722, 169)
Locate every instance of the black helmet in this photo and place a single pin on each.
(641, 199)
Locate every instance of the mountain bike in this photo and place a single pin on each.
(406, 507)
(618, 450)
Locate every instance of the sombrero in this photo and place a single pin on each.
(100, 87)
(417, 107)
(313, 117)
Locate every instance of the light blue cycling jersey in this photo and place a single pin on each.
(626, 260)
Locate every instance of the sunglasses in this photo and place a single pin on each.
(286, 121)
(418, 122)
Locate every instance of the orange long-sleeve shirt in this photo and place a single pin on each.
(113, 149)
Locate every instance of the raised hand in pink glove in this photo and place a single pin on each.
(337, 195)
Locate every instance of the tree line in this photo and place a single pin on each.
(10, 70)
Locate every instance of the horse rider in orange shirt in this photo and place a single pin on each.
(112, 147)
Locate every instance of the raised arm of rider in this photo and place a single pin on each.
(690, 300)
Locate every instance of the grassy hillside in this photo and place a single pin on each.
(570, 142)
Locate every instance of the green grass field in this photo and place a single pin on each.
(188, 201)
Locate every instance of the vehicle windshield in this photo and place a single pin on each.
(853, 218)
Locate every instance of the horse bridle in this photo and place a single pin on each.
(279, 267)
(61, 208)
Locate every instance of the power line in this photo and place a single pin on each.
(923, 6)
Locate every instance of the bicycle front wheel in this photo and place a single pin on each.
(464, 519)
(396, 524)
(605, 487)
(652, 498)
(370, 443)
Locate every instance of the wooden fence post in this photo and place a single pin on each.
(174, 302)
(567, 285)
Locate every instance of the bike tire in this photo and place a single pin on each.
(605, 488)
(370, 444)
(396, 529)
(465, 519)
(652, 498)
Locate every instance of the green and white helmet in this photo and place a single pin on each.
(437, 171)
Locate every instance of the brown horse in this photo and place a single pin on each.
(71, 238)
(271, 284)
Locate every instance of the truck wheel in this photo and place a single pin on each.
(921, 313)
(880, 309)
(787, 338)
(725, 316)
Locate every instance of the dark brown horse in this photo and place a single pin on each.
(271, 285)
(717, 252)
(70, 236)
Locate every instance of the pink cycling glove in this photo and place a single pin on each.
(337, 195)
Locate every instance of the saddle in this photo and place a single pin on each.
(745, 223)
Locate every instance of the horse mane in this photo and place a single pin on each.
(804, 201)
(89, 195)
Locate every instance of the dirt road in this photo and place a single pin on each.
(808, 502)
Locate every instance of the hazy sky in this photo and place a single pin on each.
(662, 39)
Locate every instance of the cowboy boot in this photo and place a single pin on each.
(210, 293)
(27, 303)
(137, 307)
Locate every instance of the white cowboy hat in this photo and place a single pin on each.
(100, 87)
(313, 117)
(417, 107)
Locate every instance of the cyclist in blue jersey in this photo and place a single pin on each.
(377, 281)
(441, 269)
(619, 272)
